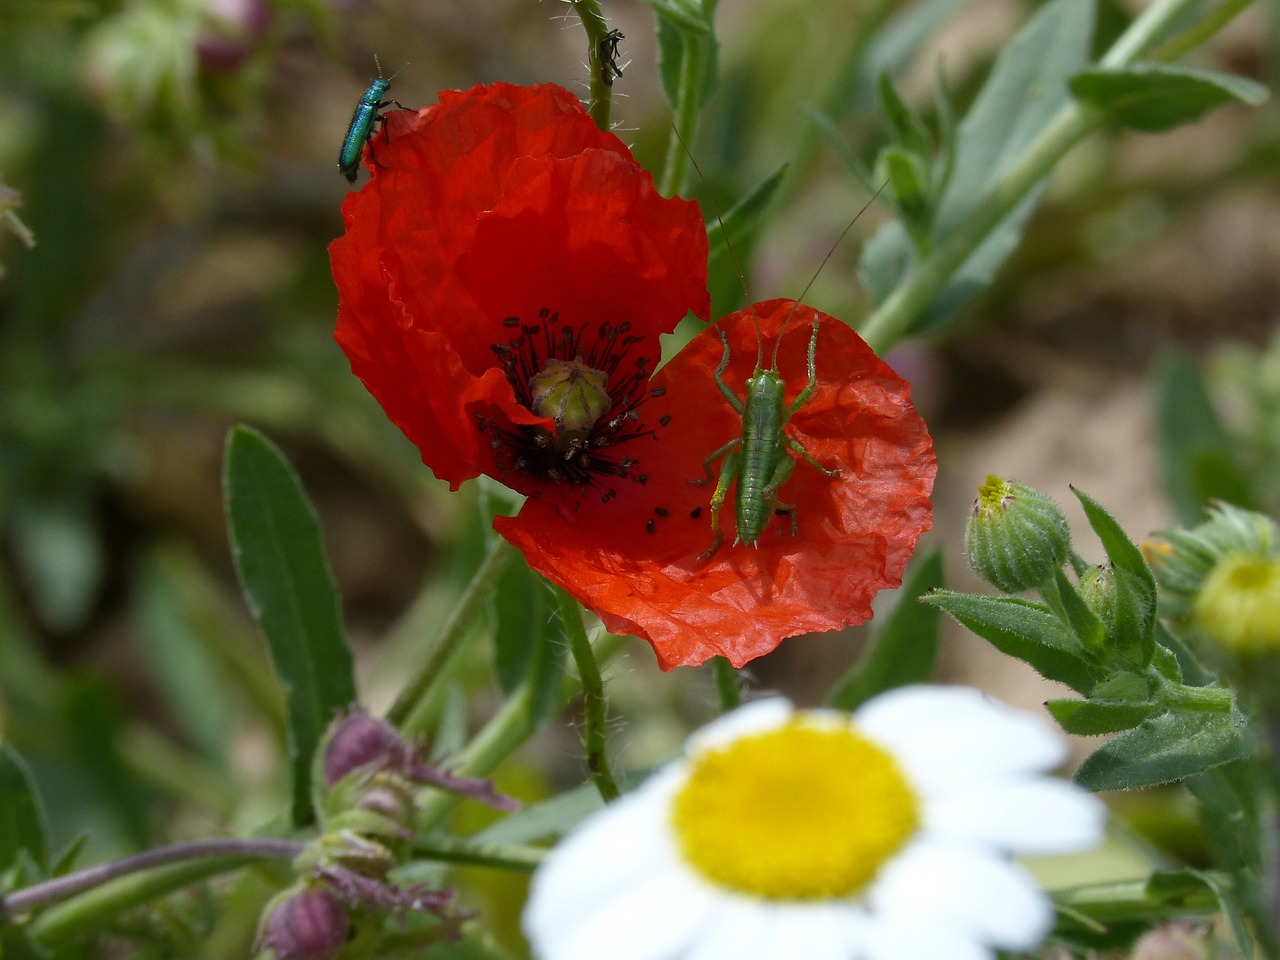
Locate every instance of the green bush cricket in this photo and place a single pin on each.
(763, 458)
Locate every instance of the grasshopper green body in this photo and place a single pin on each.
(763, 458)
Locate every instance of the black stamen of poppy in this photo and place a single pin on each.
(532, 450)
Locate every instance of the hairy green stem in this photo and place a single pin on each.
(893, 318)
(600, 96)
(100, 892)
(1202, 699)
(451, 636)
(593, 702)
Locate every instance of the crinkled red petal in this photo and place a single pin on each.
(634, 559)
(499, 202)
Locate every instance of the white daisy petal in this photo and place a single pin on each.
(945, 735)
(1028, 816)
(620, 886)
(658, 917)
(618, 847)
(754, 717)
(995, 901)
(905, 939)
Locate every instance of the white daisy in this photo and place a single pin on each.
(883, 835)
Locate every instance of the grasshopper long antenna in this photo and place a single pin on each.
(755, 319)
(839, 240)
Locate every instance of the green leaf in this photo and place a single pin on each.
(905, 649)
(1120, 702)
(739, 223)
(522, 615)
(1120, 549)
(23, 824)
(279, 555)
(1028, 631)
(1175, 887)
(1082, 620)
(1172, 746)
(909, 131)
(1192, 671)
(909, 181)
(1153, 97)
(1197, 457)
(686, 33)
(1027, 86)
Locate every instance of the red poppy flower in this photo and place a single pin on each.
(634, 560)
(503, 280)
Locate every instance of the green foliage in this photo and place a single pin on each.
(1026, 88)
(23, 824)
(904, 649)
(1153, 97)
(1199, 460)
(279, 555)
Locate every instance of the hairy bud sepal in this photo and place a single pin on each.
(1016, 537)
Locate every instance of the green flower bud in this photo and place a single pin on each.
(1016, 537)
(1183, 560)
(1115, 598)
(1238, 607)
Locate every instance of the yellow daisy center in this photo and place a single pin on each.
(799, 812)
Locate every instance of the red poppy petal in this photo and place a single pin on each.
(633, 559)
(499, 202)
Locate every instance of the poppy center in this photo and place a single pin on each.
(589, 382)
(803, 812)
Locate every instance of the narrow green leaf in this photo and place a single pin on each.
(1120, 549)
(522, 617)
(1197, 457)
(279, 555)
(1176, 886)
(742, 220)
(1119, 702)
(23, 824)
(1082, 620)
(908, 180)
(1027, 86)
(1028, 631)
(1189, 669)
(1153, 97)
(909, 130)
(1172, 746)
(1101, 713)
(905, 649)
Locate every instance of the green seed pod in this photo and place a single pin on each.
(1016, 536)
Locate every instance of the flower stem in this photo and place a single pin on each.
(684, 122)
(137, 878)
(1130, 901)
(455, 630)
(727, 684)
(600, 96)
(1072, 123)
(503, 856)
(1202, 699)
(593, 701)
